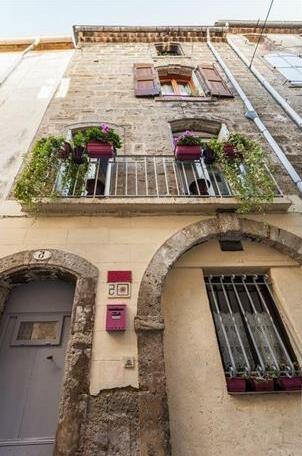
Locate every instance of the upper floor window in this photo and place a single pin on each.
(178, 80)
(289, 65)
(168, 49)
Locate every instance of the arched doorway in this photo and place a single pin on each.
(149, 322)
(34, 332)
(67, 284)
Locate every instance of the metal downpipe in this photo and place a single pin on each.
(277, 97)
(253, 115)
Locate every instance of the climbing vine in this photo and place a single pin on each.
(38, 175)
(243, 164)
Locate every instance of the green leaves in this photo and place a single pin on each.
(247, 176)
(37, 177)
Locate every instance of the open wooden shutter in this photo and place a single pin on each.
(214, 81)
(146, 81)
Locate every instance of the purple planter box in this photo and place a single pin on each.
(236, 384)
(65, 150)
(96, 149)
(183, 153)
(289, 383)
(262, 385)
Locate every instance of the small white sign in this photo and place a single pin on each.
(119, 290)
(42, 255)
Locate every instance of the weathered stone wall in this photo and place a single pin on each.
(102, 89)
(122, 416)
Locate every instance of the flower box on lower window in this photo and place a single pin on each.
(289, 383)
(183, 153)
(262, 384)
(236, 384)
(96, 149)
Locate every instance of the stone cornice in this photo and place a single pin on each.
(144, 34)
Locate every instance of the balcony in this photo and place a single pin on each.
(144, 184)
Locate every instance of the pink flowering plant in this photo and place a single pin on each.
(188, 139)
(103, 134)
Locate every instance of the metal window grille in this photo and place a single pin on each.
(251, 336)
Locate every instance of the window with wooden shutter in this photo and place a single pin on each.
(146, 82)
(214, 82)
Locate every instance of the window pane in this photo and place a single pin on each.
(25, 330)
(167, 88)
(184, 88)
(292, 74)
(289, 65)
(38, 330)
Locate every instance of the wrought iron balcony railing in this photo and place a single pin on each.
(153, 176)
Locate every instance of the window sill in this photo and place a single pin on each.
(257, 393)
(172, 98)
(162, 57)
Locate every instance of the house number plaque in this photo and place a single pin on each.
(42, 255)
(119, 284)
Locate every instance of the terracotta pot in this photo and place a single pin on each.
(183, 153)
(208, 155)
(97, 149)
(200, 184)
(65, 150)
(231, 153)
(265, 384)
(90, 186)
(236, 384)
(77, 154)
(289, 383)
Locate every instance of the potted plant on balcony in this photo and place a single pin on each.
(79, 147)
(243, 164)
(102, 142)
(208, 155)
(187, 147)
(65, 150)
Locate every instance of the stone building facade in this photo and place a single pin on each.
(172, 398)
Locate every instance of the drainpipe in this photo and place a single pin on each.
(251, 114)
(34, 44)
(277, 97)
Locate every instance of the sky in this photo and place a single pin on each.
(20, 18)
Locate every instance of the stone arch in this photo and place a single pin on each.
(208, 125)
(149, 323)
(25, 266)
(121, 129)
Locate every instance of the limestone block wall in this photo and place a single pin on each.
(102, 90)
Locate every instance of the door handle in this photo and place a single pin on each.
(50, 357)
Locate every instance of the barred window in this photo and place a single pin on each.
(251, 335)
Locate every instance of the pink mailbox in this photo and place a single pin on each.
(116, 317)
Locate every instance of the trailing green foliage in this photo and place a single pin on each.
(37, 177)
(242, 162)
(73, 175)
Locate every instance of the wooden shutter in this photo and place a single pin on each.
(146, 81)
(216, 85)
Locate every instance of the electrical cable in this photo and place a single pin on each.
(262, 31)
